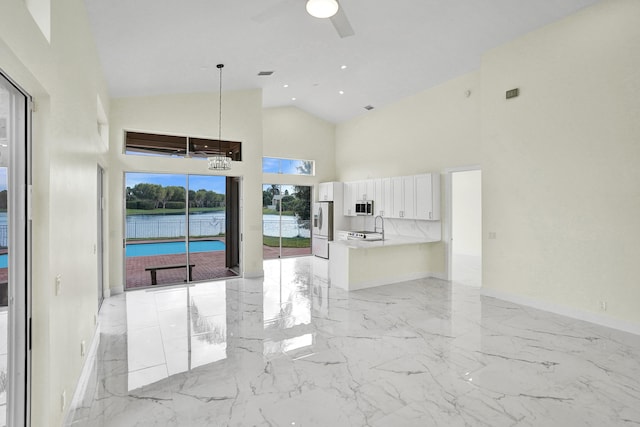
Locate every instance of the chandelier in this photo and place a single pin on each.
(220, 161)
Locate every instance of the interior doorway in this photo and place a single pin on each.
(465, 249)
(286, 220)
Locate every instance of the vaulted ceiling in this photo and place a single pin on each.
(400, 47)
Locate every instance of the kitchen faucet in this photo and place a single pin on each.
(375, 225)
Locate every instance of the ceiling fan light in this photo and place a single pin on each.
(322, 8)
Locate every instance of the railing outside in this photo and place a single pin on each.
(207, 227)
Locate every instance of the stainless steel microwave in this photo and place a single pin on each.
(364, 207)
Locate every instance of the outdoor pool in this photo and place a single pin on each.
(4, 259)
(169, 248)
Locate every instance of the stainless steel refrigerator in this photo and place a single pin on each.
(322, 228)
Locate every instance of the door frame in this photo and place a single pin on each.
(448, 225)
(101, 202)
(19, 318)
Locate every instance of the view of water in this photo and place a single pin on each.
(206, 224)
(3, 229)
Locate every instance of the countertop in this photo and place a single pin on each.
(391, 240)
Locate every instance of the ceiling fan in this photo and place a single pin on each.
(338, 18)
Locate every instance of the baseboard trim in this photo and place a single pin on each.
(575, 313)
(441, 276)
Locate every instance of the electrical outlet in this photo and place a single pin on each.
(63, 400)
(492, 235)
(58, 284)
(603, 305)
(82, 348)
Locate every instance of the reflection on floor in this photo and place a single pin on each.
(290, 350)
(466, 270)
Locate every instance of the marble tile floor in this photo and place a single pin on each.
(289, 350)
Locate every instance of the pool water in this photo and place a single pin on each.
(170, 248)
(4, 260)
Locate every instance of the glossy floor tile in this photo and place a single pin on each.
(289, 350)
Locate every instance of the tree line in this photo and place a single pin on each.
(299, 202)
(154, 196)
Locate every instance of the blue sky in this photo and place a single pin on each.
(196, 182)
(284, 166)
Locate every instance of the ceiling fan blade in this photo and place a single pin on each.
(269, 13)
(342, 24)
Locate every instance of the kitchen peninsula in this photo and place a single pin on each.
(358, 265)
(402, 215)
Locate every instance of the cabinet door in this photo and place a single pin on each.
(428, 196)
(322, 192)
(387, 197)
(350, 197)
(409, 197)
(424, 201)
(328, 192)
(378, 198)
(397, 204)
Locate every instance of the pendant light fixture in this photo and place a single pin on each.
(220, 162)
(322, 8)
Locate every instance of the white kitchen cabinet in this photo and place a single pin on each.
(350, 197)
(366, 190)
(397, 205)
(427, 189)
(327, 191)
(382, 197)
(403, 196)
(408, 197)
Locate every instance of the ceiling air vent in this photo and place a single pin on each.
(265, 73)
(369, 107)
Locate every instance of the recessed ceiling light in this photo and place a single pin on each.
(293, 99)
(343, 67)
(285, 85)
(341, 92)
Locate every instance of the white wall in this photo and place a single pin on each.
(65, 79)
(294, 134)
(189, 115)
(561, 182)
(561, 175)
(466, 212)
(428, 132)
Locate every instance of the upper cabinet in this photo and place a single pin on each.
(403, 197)
(350, 193)
(366, 189)
(382, 200)
(326, 191)
(427, 188)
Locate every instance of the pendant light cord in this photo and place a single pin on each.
(220, 66)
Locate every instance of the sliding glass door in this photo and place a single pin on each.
(175, 229)
(14, 252)
(286, 212)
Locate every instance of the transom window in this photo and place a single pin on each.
(149, 144)
(288, 166)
